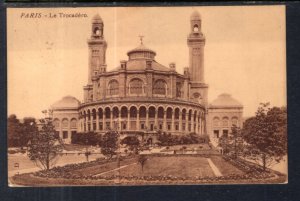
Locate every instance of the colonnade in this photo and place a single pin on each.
(177, 120)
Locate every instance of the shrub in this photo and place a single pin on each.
(89, 138)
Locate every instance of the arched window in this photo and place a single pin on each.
(97, 31)
(196, 28)
(160, 113)
(169, 113)
(113, 87)
(133, 112)
(216, 121)
(225, 122)
(234, 121)
(73, 123)
(65, 123)
(160, 87)
(142, 112)
(56, 123)
(178, 89)
(136, 86)
(177, 113)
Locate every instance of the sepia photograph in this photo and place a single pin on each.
(105, 96)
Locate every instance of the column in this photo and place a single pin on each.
(138, 120)
(60, 129)
(187, 122)
(69, 132)
(197, 124)
(165, 121)
(173, 121)
(104, 121)
(128, 120)
(201, 124)
(155, 119)
(111, 120)
(180, 121)
(192, 122)
(147, 118)
(97, 121)
(119, 121)
(86, 124)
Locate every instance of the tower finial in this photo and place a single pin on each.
(141, 39)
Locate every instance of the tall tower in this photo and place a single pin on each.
(196, 42)
(97, 49)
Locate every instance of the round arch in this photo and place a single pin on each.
(142, 111)
(160, 112)
(160, 87)
(124, 112)
(133, 111)
(169, 112)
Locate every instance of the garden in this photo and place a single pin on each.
(157, 169)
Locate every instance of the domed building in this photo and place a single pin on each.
(223, 113)
(141, 95)
(65, 117)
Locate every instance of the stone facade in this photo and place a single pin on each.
(142, 95)
(65, 117)
(223, 113)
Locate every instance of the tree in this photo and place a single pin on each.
(13, 131)
(133, 143)
(235, 136)
(109, 144)
(266, 135)
(29, 127)
(45, 145)
(142, 161)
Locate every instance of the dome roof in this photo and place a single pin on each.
(97, 19)
(67, 102)
(225, 100)
(141, 48)
(195, 15)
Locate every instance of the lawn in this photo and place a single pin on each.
(183, 166)
(161, 169)
(224, 167)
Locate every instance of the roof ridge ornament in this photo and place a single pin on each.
(141, 38)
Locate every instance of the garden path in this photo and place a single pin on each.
(121, 167)
(214, 168)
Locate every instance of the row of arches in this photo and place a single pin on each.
(225, 121)
(137, 86)
(65, 123)
(134, 111)
(142, 117)
(65, 127)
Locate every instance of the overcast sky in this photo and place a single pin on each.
(244, 51)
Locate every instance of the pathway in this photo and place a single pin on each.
(214, 168)
(121, 167)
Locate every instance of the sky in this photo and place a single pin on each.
(245, 50)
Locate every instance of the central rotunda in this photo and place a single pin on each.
(140, 96)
